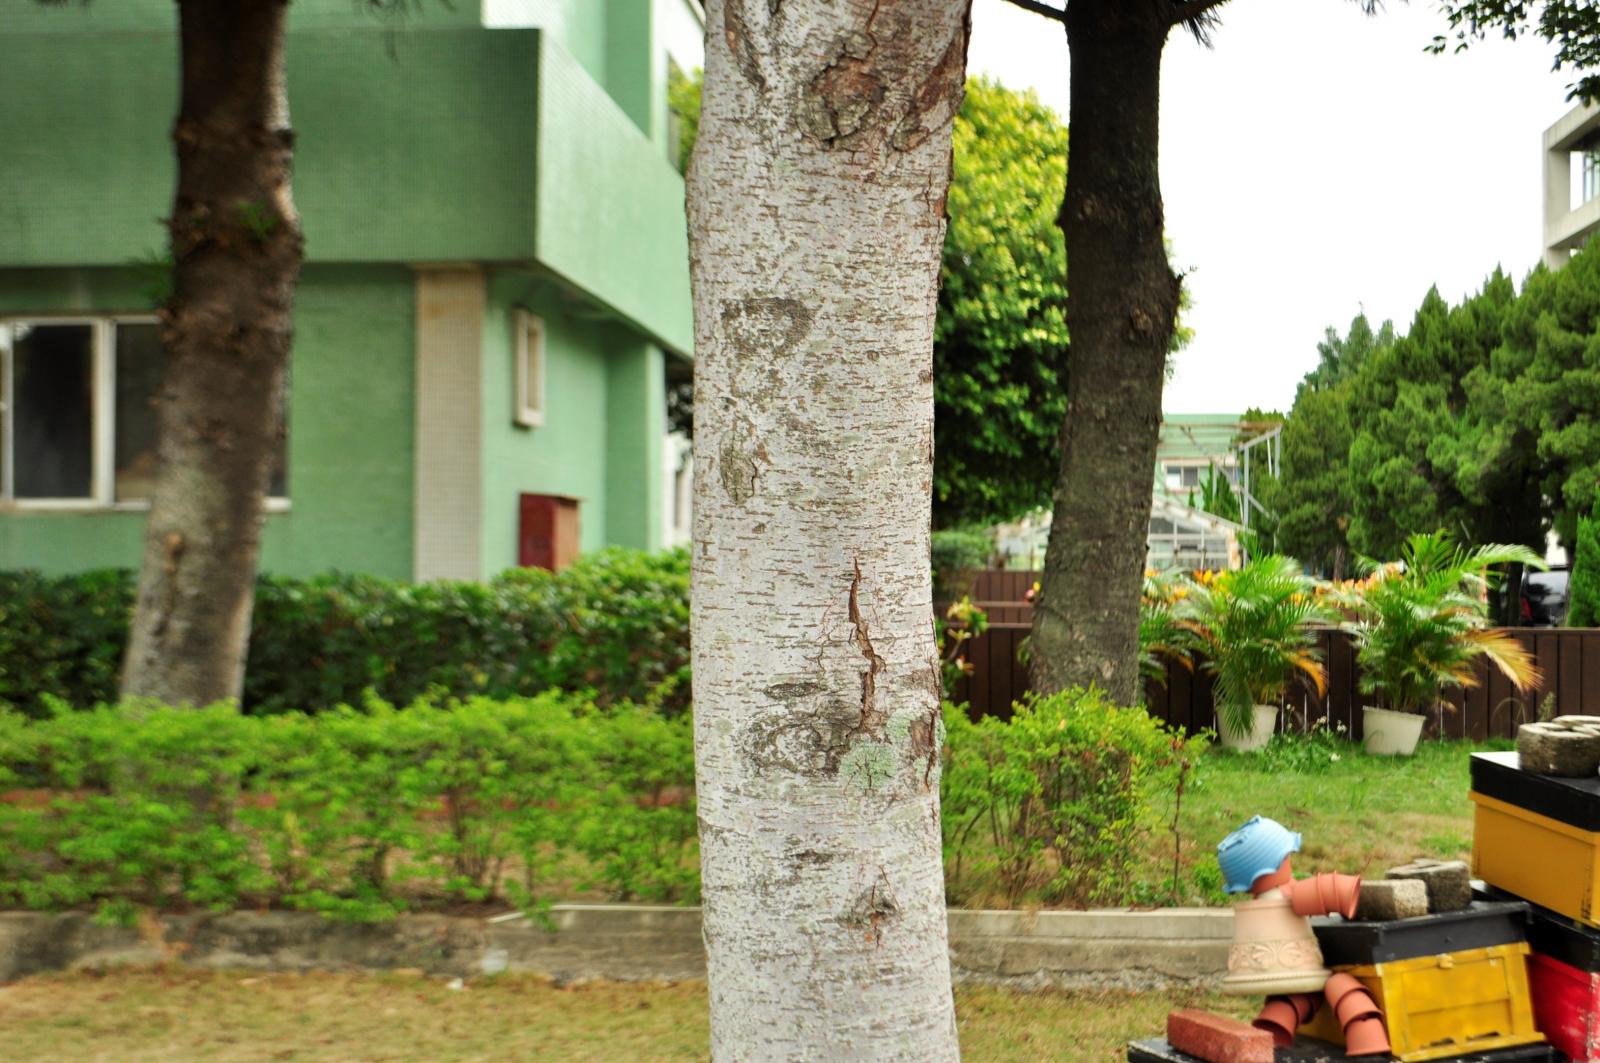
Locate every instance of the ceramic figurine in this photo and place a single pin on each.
(1274, 950)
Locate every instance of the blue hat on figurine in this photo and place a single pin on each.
(1255, 849)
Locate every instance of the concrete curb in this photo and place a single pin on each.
(1109, 948)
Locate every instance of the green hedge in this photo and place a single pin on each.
(362, 813)
(617, 623)
(357, 814)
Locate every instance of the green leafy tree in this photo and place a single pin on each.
(1429, 447)
(1310, 500)
(683, 101)
(1583, 609)
(1340, 358)
(1000, 343)
(1546, 379)
(1573, 26)
(1310, 497)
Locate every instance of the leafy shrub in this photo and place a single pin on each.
(1313, 753)
(1059, 803)
(616, 623)
(354, 813)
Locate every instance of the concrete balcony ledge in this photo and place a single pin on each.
(1105, 948)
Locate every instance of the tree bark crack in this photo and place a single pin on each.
(872, 718)
(737, 33)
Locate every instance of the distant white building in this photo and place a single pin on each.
(1571, 183)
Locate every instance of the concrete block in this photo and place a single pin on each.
(1392, 899)
(1567, 746)
(1217, 1039)
(1449, 882)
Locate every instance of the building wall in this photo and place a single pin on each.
(636, 409)
(579, 26)
(420, 144)
(1568, 225)
(566, 454)
(610, 206)
(30, 16)
(399, 178)
(350, 432)
(420, 140)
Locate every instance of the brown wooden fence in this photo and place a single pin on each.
(1569, 659)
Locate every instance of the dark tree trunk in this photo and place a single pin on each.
(1121, 310)
(236, 248)
(1508, 595)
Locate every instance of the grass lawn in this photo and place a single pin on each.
(169, 1014)
(1358, 814)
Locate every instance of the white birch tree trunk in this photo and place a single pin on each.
(816, 220)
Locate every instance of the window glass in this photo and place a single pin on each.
(139, 362)
(52, 410)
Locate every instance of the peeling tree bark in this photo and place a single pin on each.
(816, 218)
(236, 249)
(1122, 306)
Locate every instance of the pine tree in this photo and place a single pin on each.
(1584, 588)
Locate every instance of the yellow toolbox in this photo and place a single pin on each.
(1439, 1007)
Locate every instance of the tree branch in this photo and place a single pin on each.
(1041, 9)
(1190, 10)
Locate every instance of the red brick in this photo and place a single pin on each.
(1217, 1039)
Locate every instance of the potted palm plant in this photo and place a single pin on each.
(1252, 627)
(1420, 626)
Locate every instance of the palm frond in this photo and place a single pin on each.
(1308, 665)
(1508, 655)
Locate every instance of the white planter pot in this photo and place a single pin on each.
(1389, 733)
(1266, 719)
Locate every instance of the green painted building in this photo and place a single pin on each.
(495, 290)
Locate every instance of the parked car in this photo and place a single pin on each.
(1544, 597)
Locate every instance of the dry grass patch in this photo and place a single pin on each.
(167, 1015)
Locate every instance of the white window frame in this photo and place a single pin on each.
(529, 354)
(103, 439)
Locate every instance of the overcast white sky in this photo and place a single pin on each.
(1315, 162)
